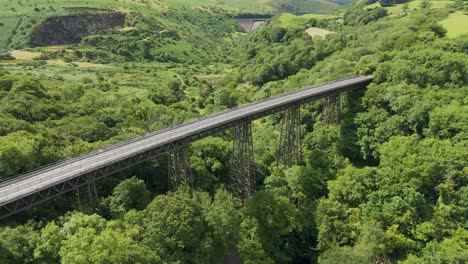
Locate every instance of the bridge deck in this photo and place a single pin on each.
(18, 188)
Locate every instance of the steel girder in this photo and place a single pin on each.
(86, 179)
(93, 195)
(90, 193)
(242, 176)
(179, 167)
(331, 109)
(290, 151)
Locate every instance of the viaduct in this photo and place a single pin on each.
(24, 191)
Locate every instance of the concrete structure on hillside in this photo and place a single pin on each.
(251, 24)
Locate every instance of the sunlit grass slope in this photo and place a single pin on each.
(456, 24)
(412, 5)
(289, 20)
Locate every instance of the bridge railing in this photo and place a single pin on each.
(51, 166)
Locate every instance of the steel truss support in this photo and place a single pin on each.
(243, 164)
(93, 195)
(179, 168)
(331, 109)
(290, 151)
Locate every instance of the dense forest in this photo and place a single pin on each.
(386, 184)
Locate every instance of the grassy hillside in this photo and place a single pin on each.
(456, 24)
(18, 18)
(412, 6)
(266, 6)
(289, 20)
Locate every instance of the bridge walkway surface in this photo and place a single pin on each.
(24, 191)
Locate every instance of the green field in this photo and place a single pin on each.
(456, 24)
(263, 6)
(412, 5)
(289, 20)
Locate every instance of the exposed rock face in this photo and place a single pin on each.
(71, 29)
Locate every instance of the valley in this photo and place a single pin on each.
(372, 175)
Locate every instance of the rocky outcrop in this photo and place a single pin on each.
(72, 28)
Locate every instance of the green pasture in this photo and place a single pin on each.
(245, 5)
(412, 5)
(289, 20)
(456, 24)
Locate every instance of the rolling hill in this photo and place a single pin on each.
(20, 18)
